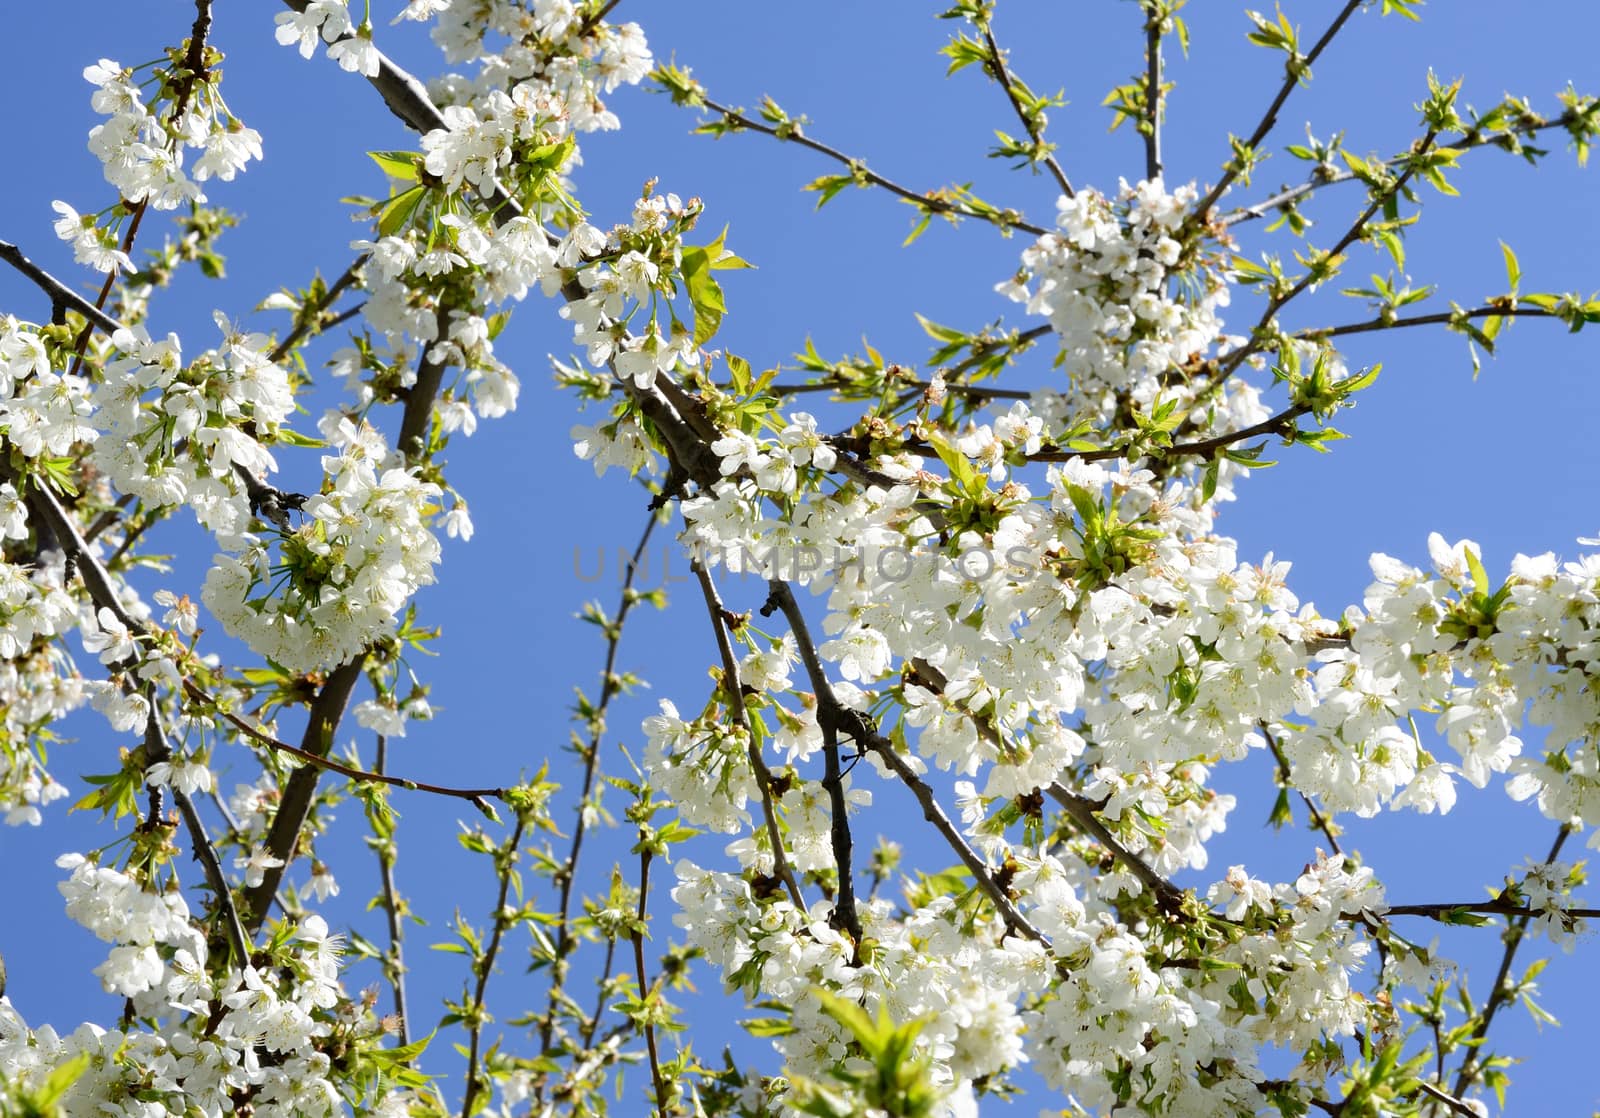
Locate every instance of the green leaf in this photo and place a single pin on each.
(290, 437)
(401, 165)
(768, 1026)
(1480, 577)
(397, 211)
(1513, 269)
(828, 186)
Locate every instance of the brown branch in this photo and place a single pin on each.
(313, 321)
(734, 690)
(157, 749)
(484, 965)
(97, 580)
(1083, 812)
(610, 687)
(1500, 993)
(982, 876)
(362, 776)
(294, 803)
(394, 961)
(1295, 70)
(61, 296)
(1285, 779)
(997, 63)
(1277, 301)
(794, 134)
(1152, 91)
(1282, 424)
(1439, 318)
(832, 718)
(637, 936)
(1473, 139)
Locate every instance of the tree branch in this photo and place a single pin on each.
(363, 776)
(1285, 779)
(1152, 91)
(831, 717)
(926, 201)
(394, 961)
(610, 687)
(1439, 318)
(1318, 180)
(734, 690)
(1083, 812)
(1296, 69)
(997, 61)
(1500, 993)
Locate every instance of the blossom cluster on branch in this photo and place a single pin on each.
(1027, 621)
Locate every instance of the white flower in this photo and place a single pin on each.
(255, 865)
(112, 640)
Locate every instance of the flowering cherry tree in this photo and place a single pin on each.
(993, 585)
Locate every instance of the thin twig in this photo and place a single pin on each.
(1152, 92)
(1438, 318)
(982, 876)
(312, 321)
(1286, 778)
(1083, 813)
(484, 966)
(364, 776)
(832, 719)
(734, 690)
(1295, 70)
(1277, 301)
(645, 990)
(930, 203)
(394, 961)
(610, 687)
(61, 296)
(997, 61)
(1451, 1101)
(1500, 993)
(294, 801)
(42, 504)
(1318, 179)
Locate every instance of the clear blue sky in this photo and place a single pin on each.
(1508, 460)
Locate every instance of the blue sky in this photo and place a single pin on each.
(1508, 460)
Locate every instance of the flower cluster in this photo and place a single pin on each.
(262, 1034)
(341, 576)
(141, 147)
(178, 433)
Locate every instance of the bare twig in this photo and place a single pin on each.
(610, 687)
(394, 961)
(1500, 993)
(927, 201)
(484, 966)
(42, 504)
(364, 776)
(997, 63)
(312, 320)
(61, 296)
(1439, 318)
(645, 990)
(982, 876)
(832, 718)
(1285, 777)
(1083, 813)
(1152, 91)
(734, 691)
(1319, 179)
(1278, 300)
(1295, 70)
